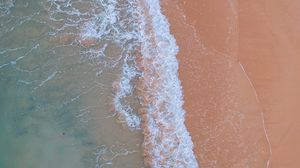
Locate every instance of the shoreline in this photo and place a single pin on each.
(222, 112)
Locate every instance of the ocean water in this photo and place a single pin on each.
(89, 83)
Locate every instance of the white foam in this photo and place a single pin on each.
(149, 73)
(5, 7)
(102, 24)
(124, 88)
(167, 141)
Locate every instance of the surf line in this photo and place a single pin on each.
(167, 142)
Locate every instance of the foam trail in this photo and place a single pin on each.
(166, 140)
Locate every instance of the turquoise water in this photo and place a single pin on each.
(55, 93)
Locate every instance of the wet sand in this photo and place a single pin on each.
(270, 53)
(223, 113)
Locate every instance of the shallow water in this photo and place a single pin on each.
(56, 90)
(93, 81)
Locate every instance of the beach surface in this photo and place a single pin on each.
(239, 66)
(223, 113)
(269, 51)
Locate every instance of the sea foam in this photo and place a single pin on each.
(166, 140)
(148, 93)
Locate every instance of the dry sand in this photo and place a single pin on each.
(223, 116)
(270, 52)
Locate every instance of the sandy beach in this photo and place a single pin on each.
(238, 65)
(223, 113)
(269, 51)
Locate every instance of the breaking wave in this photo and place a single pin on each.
(166, 140)
(135, 36)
